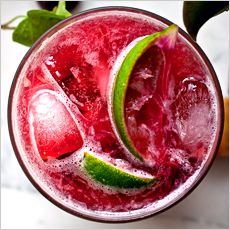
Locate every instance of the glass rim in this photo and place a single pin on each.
(220, 115)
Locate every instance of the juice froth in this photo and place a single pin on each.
(71, 72)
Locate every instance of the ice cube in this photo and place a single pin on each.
(53, 127)
(179, 158)
(190, 93)
(138, 103)
(143, 138)
(196, 127)
(148, 71)
(192, 109)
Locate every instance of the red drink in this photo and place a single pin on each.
(59, 108)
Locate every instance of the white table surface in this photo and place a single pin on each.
(23, 207)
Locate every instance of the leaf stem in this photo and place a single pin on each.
(6, 26)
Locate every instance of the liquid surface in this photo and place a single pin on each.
(62, 110)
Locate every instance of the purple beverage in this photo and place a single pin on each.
(64, 124)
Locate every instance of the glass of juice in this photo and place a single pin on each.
(64, 131)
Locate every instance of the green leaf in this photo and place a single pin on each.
(37, 22)
(196, 13)
(164, 39)
(61, 9)
(34, 25)
(24, 33)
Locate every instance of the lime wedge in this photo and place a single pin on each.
(166, 40)
(108, 174)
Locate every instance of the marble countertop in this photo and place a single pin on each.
(23, 207)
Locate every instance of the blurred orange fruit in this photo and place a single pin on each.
(224, 146)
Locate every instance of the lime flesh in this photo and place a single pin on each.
(110, 175)
(164, 39)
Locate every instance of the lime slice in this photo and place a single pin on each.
(166, 41)
(108, 174)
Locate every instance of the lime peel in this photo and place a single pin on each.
(110, 175)
(163, 39)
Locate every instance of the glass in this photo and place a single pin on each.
(158, 206)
